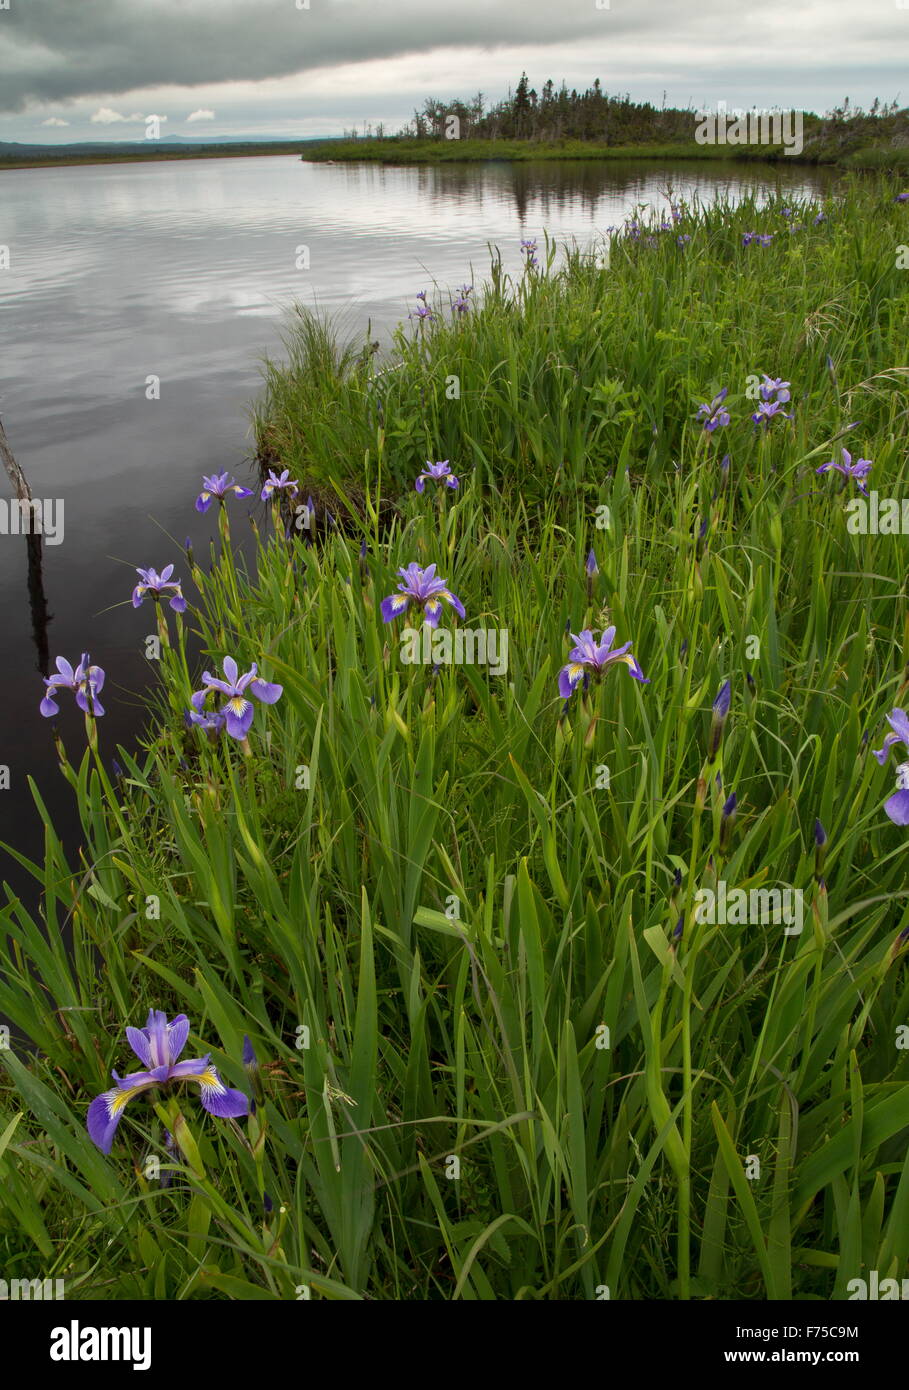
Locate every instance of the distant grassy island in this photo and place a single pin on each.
(14, 156)
(563, 124)
(394, 150)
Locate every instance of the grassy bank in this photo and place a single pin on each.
(402, 150)
(46, 157)
(501, 1054)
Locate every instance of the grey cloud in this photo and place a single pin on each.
(56, 50)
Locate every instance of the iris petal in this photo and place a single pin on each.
(265, 691)
(219, 1099)
(138, 1041)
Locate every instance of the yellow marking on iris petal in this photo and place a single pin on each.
(208, 1080)
(119, 1098)
(238, 704)
(575, 671)
(399, 601)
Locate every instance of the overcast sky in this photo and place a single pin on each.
(95, 69)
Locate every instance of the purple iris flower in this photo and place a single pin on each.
(676, 213)
(821, 217)
(901, 198)
(238, 712)
(857, 470)
(210, 722)
(279, 482)
(748, 238)
(422, 587)
(727, 819)
(436, 471)
(251, 1066)
(683, 240)
(158, 1045)
(462, 303)
(529, 249)
(592, 658)
(591, 566)
(218, 486)
(713, 414)
(897, 806)
(422, 312)
(820, 849)
(85, 683)
(721, 706)
(774, 388)
(769, 410)
(155, 586)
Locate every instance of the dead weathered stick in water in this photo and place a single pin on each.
(16, 476)
(37, 600)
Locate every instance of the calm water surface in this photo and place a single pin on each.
(185, 271)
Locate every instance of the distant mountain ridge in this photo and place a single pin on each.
(15, 149)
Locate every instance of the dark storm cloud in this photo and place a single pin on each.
(56, 50)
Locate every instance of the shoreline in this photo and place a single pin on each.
(151, 157)
(424, 152)
(394, 152)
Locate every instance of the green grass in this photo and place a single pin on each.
(835, 150)
(450, 907)
(402, 150)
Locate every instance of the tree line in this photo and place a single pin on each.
(558, 113)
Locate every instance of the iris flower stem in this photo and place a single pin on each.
(174, 670)
(690, 940)
(812, 1014)
(676, 1150)
(168, 1111)
(66, 766)
(92, 731)
(227, 557)
(163, 630)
